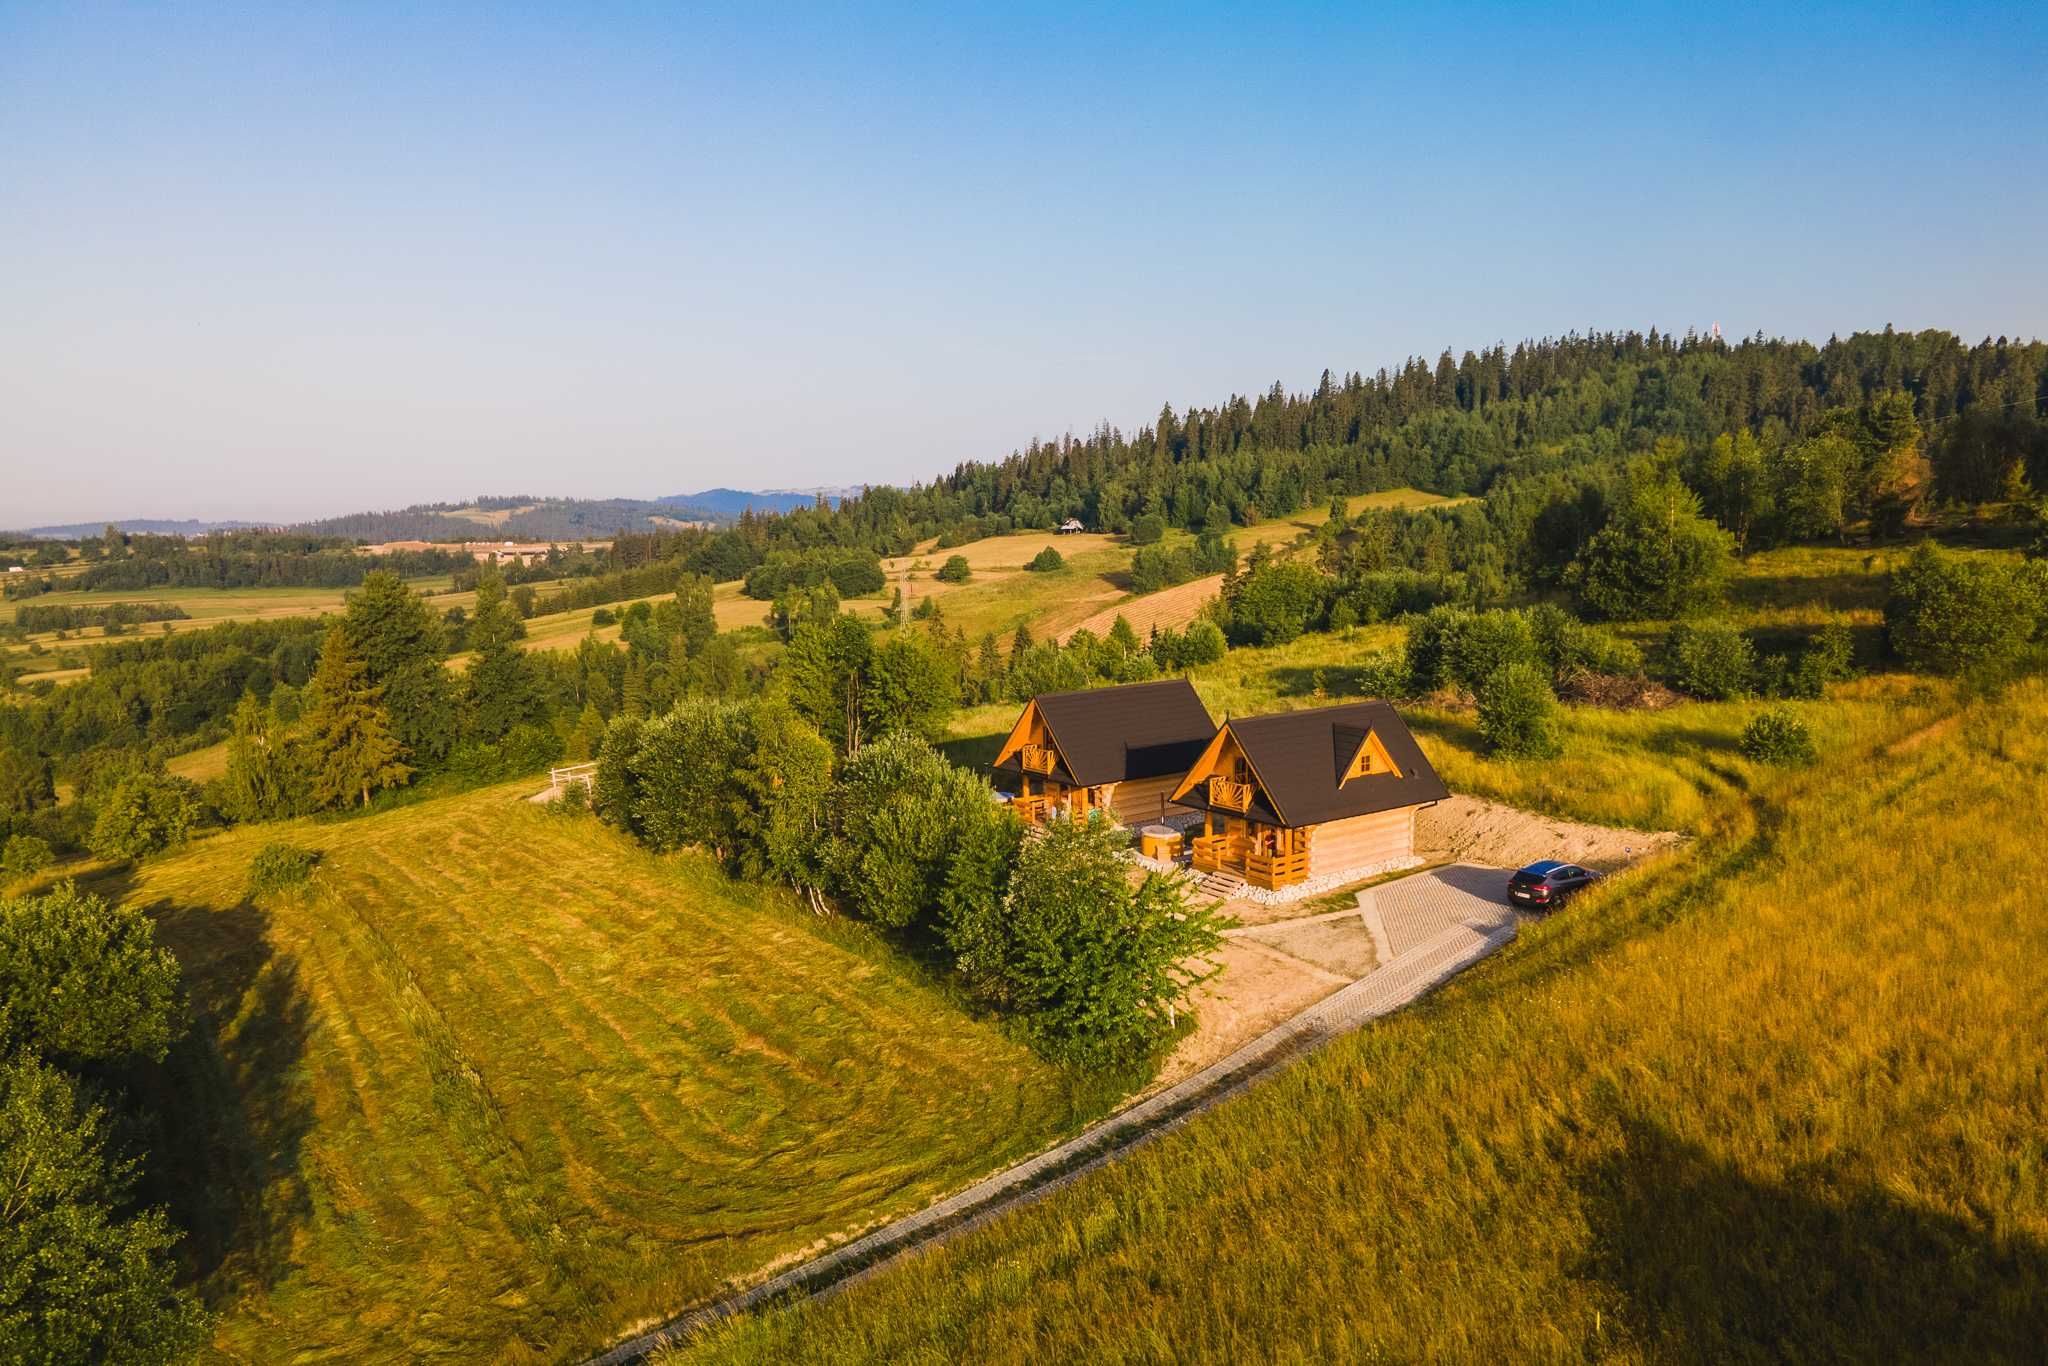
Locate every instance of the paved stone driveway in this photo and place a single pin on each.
(1414, 910)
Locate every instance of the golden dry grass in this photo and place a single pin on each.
(1780, 1096)
(1168, 608)
(501, 1084)
(201, 765)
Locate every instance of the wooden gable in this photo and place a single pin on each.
(1368, 756)
(1031, 742)
(1227, 772)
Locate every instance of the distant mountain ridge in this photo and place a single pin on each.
(520, 517)
(732, 502)
(140, 526)
(515, 517)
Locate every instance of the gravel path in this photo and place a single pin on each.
(1448, 920)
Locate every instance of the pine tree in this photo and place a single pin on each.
(350, 747)
(989, 669)
(588, 735)
(633, 693)
(402, 644)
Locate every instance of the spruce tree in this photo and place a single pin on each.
(633, 693)
(350, 748)
(403, 644)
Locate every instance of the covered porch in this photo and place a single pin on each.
(1266, 856)
(1040, 799)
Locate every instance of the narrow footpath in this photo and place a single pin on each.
(1465, 912)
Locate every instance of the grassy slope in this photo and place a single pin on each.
(502, 1084)
(1094, 579)
(1784, 1094)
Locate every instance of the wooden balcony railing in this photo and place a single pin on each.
(1218, 853)
(1229, 795)
(1274, 871)
(1037, 758)
(1232, 853)
(1032, 809)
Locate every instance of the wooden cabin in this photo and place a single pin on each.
(1120, 750)
(1297, 795)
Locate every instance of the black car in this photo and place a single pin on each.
(1547, 883)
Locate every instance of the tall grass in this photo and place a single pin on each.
(496, 1084)
(1782, 1097)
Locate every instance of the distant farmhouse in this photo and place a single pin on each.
(1282, 799)
(1070, 526)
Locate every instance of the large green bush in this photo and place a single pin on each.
(82, 979)
(955, 570)
(1777, 736)
(24, 855)
(1098, 968)
(1518, 712)
(1656, 557)
(1570, 648)
(1456, 647)
(1950, 613)
(1271, 603)
(144, 812)
(279, 866)
(1709, 659)
(899, 810)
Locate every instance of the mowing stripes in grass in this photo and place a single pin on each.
(528, 1084)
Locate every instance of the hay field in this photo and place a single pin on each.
(206, 607)
(1278, 531)
(1170, 607)
(1782, 1095)
(500, 1084)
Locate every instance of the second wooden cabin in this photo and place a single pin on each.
(1121, 750)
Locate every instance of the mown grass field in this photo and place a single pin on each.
(210, 606)
(499, 1084)
(1782, 1095)
(62, 660)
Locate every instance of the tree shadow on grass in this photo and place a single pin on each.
(1847, 591)
(1713, 1265)
(974, 751)
(1674, 740)
(1339, 682)
(228, 1110)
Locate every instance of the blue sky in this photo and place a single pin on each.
(282, 261)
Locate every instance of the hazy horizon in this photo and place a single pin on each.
(278, 265)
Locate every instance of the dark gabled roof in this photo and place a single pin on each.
(1299, 756)
(1113, 735)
